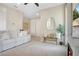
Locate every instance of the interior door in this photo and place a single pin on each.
(38, 27)
(33, 27)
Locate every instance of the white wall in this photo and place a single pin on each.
(56, 12)
(3, 19)
(14, 20)
(68, 22)
(36, 27)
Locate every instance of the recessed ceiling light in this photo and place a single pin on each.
(18, 3)
(37, 14)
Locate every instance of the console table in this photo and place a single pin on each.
(50, 39)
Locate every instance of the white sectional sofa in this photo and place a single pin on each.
(7, 42)
(23, 38)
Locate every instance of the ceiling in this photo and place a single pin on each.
(31, 10)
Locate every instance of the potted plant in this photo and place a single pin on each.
(60, 29)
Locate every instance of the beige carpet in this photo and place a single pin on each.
(36, 48)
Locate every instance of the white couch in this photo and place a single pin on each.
(23, 37)
(6, 42)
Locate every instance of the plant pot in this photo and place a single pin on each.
(61, 43)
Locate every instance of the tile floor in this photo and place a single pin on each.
(36, 48)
